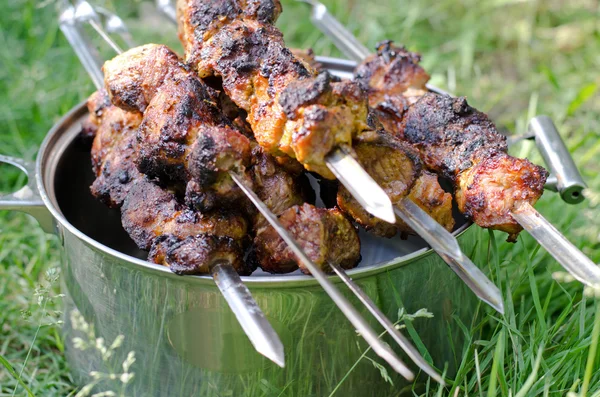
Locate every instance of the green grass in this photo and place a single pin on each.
(512, 58)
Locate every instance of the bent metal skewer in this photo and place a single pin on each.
(251, 318)
(555, 154)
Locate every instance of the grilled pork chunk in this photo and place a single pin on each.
(455, 140)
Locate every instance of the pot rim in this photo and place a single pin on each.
(51, 151)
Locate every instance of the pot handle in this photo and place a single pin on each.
(28, 198)
(564, 175)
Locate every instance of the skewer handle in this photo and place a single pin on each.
(570, 257)
(254, 323)
(565, 177)
(341, 37)
(87, 54)
(167, 8)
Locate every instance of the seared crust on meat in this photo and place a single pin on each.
(491, 189)
(183, 136)
(114, 150)
(462, 144)
(292, 110)
(198, 254)
(454, 140)
(198, 21)
(185, 240)
(451, 135)
(325, 235)
(391, 72)
(150, 211)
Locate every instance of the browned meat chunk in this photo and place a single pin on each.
(183, 136)
(114, 150)
(462, 144)
(325, 235)
(198, 254)
(292, 110)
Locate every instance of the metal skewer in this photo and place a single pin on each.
(251, 318)
(566, 179)
(379, 347)
(360, 185)
(570, 257)
(167, 8)
(443, 242)
(404, 343)
(342, 164)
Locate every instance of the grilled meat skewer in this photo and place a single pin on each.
(151, 215)
(291, 109)
(184, 137)
(454, 139)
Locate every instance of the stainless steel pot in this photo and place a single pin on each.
(186, 339)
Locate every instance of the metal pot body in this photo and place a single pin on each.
(186, 339)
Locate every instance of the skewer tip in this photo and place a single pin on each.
(274, 352)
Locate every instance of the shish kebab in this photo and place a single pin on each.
(294, 111)
(154, 218)
(458, 142)
(411, 351)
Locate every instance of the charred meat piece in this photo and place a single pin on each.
(114, 150)
(396, 167)
(197, 254)
(280, 190)
(150, 211)
(183, 136)
(462, 144)
(186, 241)
(394, 81)
(454, 140)
(393, 71)
(325, 235)
(199, 21)
(291, 108)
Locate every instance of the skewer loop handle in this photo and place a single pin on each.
(565, 178)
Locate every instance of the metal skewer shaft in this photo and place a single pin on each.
(378, 346)
(566, 178)
(252, 320)
(570, 257)
(404, 343)
(446, 245)
(342, 38)
(360, 185)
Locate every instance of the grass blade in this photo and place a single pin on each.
(14, 374)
